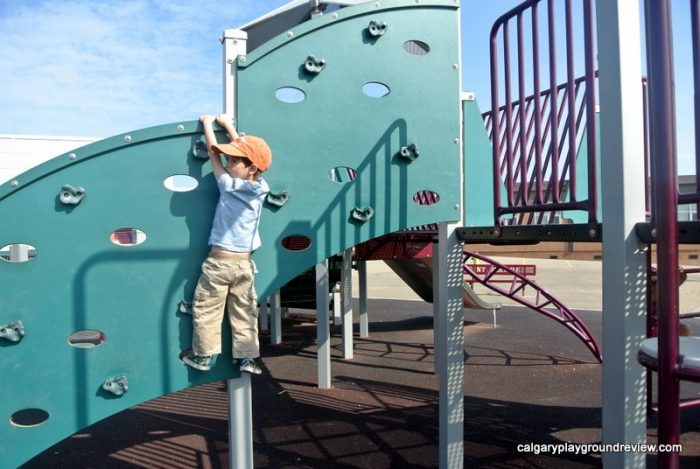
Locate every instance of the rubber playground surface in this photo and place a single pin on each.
(527, 381)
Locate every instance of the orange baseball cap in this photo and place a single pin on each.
(254, 148)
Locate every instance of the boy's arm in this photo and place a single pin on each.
(226, 123)
(207, 123)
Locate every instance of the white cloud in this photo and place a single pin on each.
(102, 68)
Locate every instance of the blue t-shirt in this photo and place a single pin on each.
(235, 226)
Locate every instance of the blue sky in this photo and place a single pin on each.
(99, 68)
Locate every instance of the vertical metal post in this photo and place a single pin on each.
(264, 316)
(275, 318)
(663, 155)
(346, 302)
(240, 418)
(624, 325)
(438, 344)
(240, 403)
(362, 290)
(323, 330)
(448, 289)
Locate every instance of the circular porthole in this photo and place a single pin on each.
(296, 243)
(180, 183)
(290, 95)
(127, 237)
(375, 89)
(415, 47)
(29, 417)
(17, 252)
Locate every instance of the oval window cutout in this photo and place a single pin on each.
(342, 174)
(180, 183)
(375, 89)
(29, 417)
(289, 94)
(87, 338)
(416, 47)
(296, 243)
(426, 198)
(17, 252)
(127, 237)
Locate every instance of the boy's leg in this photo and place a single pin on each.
(208, 307)
(242, 312)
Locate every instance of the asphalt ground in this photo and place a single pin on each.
(527, 381)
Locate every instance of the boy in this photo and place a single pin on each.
(228, 271)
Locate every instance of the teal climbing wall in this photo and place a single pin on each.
(81, 280)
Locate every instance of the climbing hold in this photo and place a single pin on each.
(71, 195)
(86, 338)
(314, 65)
(13, 331)
(185, 307)
(277, 199)
(200, 150)
(117, 385)
(362, 214)
(377, 28)
(409, 152)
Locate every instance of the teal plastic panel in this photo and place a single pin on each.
(337, 125)
(578, 216)
(478, 168)
(80, 280)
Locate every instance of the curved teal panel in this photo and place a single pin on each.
(80, 280)
(338, 151)
(337, 125)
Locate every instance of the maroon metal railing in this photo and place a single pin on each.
(535, 138)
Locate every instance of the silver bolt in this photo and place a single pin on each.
(72, 156)
(243, 58)
(334, 16)
(14, 183)
(456, 140)
(377, 5)
(290, 33)
(653, 232)
(180, 128)
(229, 61)
(456, 205)
(591, 233)
(127, 138)
(455, 66)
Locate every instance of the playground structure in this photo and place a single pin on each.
(75, 348)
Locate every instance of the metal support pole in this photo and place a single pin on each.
(240, 418)
(240, 406)
(323, 328)
(275, 319)
(346, 302)
(624, 325)
(264, 316)
(438, 345)
(362, 287)
(451, 334)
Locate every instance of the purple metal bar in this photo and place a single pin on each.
(539, 175)
(510, 179)
(571, 100)
(591, 128)
(522, 109)
(695, 32)
(554, 128)
(663, 153)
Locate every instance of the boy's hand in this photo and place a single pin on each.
(206, 119)
(223, 120)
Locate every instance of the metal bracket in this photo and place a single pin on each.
(362, 214)
(277, 199)
(377, 28)
(117, 385)
(528, 234)
(314, 65)
(70, 195)
(185, 307)
(409, 152)
(688, 232)
(13, 331)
